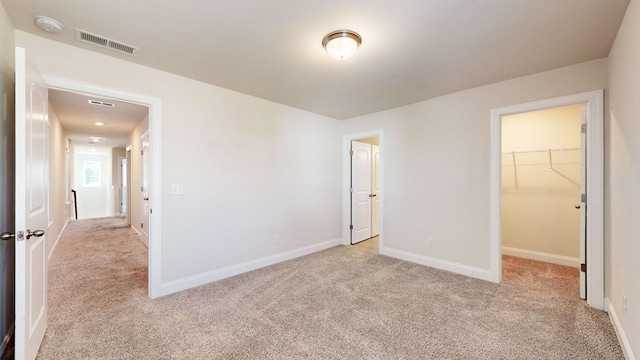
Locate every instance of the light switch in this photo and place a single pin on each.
(177, 189)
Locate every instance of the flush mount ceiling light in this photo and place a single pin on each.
(341, 44)
(99, 123)
(48, 24)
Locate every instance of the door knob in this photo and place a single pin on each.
(146, 198)
(577, 206)
(7, 236)
(36, 233)
(372, 195)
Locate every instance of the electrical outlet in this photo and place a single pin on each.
(177, 189)
(431, 241)
(624, 304)
(276, 239)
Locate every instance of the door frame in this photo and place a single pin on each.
(594, 101)
(155, 125)
(119, 169)
(127, 218)
(346, 184)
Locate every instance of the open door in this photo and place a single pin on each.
(31, 209)
(361, 195)
(123, 186)
(583, 203)
(144, 225)
(375, 180)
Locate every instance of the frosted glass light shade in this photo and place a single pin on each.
(342, 44)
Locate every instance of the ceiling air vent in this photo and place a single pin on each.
(105, 42)
(101, 103)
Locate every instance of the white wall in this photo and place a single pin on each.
(623, 179)
(539, 195)
(251, 168)
(436, 165)
(58, 208)
(93, 201)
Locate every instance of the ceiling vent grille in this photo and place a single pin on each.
(101, 103)
(105, 42)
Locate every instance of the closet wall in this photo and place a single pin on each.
(541, 187)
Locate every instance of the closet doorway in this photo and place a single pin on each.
(591, 199)
(543, 177)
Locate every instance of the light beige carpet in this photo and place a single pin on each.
(371, 244)
(342, 303)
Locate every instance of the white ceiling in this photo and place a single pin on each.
(78, 118)
(412, 50)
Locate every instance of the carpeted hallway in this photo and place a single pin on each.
(341, 303)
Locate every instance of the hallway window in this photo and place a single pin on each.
(91, 173)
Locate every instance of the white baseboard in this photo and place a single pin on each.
(471, 271)
(540, 256)
(622, 337)
(55, 244)
(229, 271)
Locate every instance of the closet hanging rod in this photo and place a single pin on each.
(539, 151)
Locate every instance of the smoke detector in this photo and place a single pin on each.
(48, 24)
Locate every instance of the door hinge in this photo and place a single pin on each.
(141, 225)
(141, 152)
(351, 190)
(350, 227)
(351, 153)
(583, 128)
(150, 211)
(583, 198)
(583, 267)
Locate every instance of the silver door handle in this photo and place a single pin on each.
(36, 233)
(372, 195)
(7, 236)
(145, 198)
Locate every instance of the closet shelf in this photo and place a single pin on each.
(549, 151)
(539, 151)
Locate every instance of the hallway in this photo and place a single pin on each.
(92, 254)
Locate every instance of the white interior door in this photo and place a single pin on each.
(144, 181)
(375, 177)
(127, 189)
(123, 186)
(31, 210)
(361, 191)
(583, 205)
